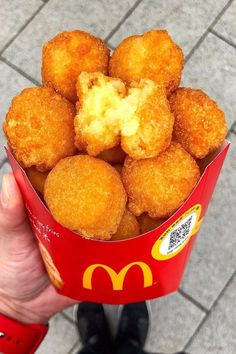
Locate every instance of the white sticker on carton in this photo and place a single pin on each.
(179, 235)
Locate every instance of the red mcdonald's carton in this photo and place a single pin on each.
(119, 272)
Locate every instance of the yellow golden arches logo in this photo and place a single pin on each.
(176, 237)
(117, 278)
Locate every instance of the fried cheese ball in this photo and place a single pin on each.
(160, 185)
(69, 53)
(152, 55)
(200, 125)
(85, 194)
(114, 155)
(39, 128)
(109, 113)
(128, 228)
(147, 223)
(37, 179)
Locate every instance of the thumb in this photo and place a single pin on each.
(13, 220)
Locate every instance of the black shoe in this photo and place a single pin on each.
(133, 327)
(93, 328)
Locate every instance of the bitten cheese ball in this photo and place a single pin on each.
(39, 128)
(86, 195)
(200, 125)
(69, 53)
(147, 224)
(37, 179)
(152, 55)
(160, 185)
(109, 113)
(128, 228)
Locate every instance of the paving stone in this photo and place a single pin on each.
(233, 128)
(61, 337)
(76, 348)
(174, 320)
(13, 15)
(186, 21)
(226, 26)
(112, 313)
(217, 335)
(69, 312)
(98, 17)
(213, 259)
(213, 69)
(11, 83)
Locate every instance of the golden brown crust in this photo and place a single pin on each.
(128, 228)
(39, 128)
(110, 113)
(152, 55)
(160, 185)
(86, 194)
(155, 123)
(200, 125)
(147, 223)
(66, 55)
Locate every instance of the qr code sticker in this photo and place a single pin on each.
(178, 236)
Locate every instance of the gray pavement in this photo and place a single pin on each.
(201, 316)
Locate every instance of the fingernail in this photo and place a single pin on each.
(5, 195)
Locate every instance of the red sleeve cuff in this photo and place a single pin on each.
(20, 338)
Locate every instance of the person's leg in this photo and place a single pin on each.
(133, 330)
(89, 350)
(93, 329)
(132, 350)
(129, 349)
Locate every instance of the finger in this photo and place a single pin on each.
(13, 220)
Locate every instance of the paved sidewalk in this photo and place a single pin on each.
(201, 317)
